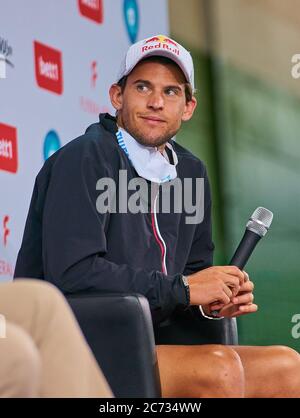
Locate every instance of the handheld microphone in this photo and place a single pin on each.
(256, 228)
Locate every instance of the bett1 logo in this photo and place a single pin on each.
(48, 68)
(296, 68)
(91, 9)
(8, 148)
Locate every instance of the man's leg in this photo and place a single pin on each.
(270, 371)
(200, 371)
(69, 368)
(20, 364)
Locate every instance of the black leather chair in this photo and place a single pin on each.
(119, 330)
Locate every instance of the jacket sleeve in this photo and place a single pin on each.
(201, 253)
(74, 237)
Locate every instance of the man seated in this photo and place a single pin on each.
(96, 224)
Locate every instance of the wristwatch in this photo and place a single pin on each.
(187, 289)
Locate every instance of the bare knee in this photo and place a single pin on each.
(282, 355)
(284, 371)
(200, 371)
(284, 360)
(225, 376)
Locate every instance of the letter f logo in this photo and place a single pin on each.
(6, 230)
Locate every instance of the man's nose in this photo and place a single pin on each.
(156, 101)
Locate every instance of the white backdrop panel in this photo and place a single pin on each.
(34, 111)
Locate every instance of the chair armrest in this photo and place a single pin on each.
(118, 328)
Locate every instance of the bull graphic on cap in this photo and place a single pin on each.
(162, 39)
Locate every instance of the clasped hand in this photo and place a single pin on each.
(226, 289)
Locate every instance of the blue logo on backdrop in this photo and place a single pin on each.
(51, 144)
(131, 15)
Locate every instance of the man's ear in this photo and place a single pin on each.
(116, 96)
(190, 107)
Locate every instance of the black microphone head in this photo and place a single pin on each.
(260, 221)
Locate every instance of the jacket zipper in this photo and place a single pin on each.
(158, 237)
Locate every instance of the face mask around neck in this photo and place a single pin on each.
(148, 161)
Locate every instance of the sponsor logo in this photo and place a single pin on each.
(48, 68)
(90, 104)
(51, 144)
(91, 9)
(6, 52)
(161, 41)
(8, 148)
(162, 38)
(131, 16)
(6, 231)
(94, 74)
(6, 268)
(2, 66)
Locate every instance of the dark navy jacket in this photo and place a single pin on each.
(69, 243)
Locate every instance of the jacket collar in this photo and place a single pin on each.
(108, 122)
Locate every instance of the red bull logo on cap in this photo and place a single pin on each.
(161, 41)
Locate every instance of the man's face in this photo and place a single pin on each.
(153, 103)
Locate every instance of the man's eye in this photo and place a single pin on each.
(171, 92)
(142, 87)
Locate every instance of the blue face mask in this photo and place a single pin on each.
(148, 161)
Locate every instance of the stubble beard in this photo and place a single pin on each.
(136, 133)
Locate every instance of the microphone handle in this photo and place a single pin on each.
(245, 249)
(243, 252)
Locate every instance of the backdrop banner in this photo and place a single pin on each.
(57, 61)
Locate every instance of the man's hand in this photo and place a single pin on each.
(240, 304)
(215, 285)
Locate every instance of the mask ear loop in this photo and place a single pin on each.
(174, 155)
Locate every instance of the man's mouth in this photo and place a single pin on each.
(153, 119)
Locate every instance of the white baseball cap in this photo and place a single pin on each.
(158, 45)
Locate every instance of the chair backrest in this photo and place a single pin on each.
(190, 327)
(119, 330)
